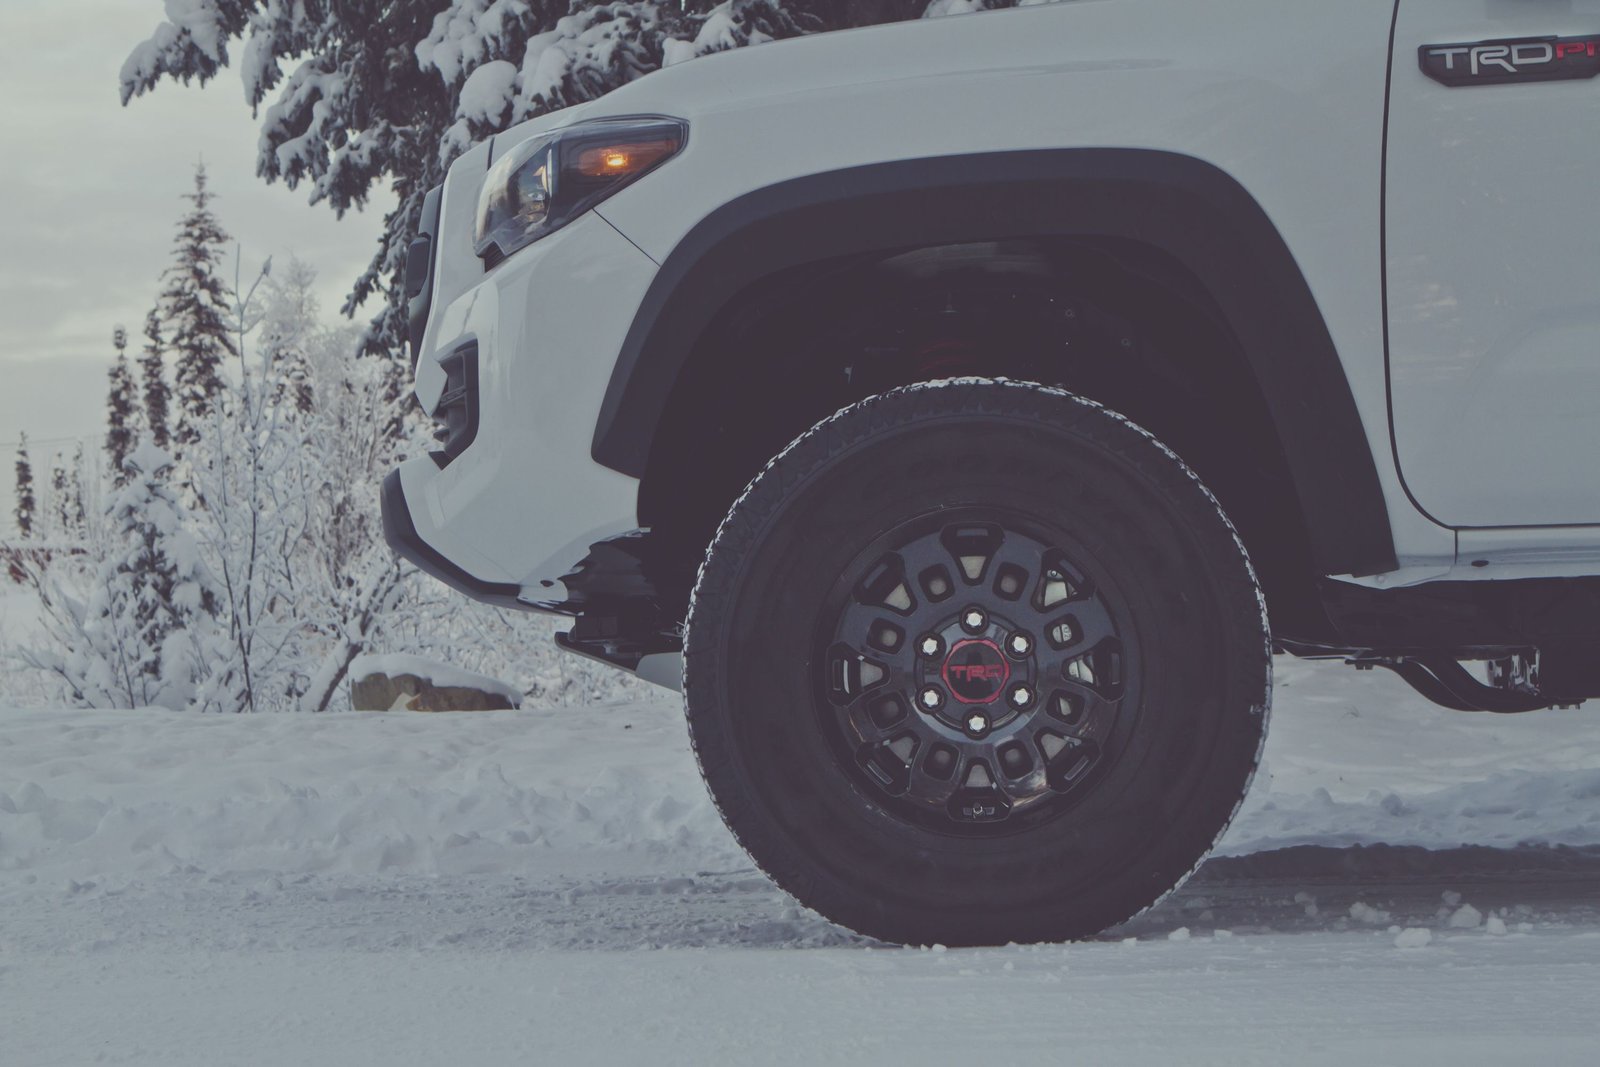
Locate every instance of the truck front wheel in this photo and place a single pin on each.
(975, 662)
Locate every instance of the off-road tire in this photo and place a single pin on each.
(1156, 547)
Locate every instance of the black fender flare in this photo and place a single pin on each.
(1191, 210)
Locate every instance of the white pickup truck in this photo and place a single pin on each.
(966, 410)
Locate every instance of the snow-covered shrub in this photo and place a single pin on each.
(130, 628)
(252, 470)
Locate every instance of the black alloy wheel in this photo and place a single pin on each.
(975, 671)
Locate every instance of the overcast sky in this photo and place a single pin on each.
(89, 195)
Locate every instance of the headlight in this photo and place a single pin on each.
(546, 182)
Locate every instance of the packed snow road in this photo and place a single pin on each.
(1404, 885)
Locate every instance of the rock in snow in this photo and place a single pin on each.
(413, 683)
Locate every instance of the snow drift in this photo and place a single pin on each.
(97, 795)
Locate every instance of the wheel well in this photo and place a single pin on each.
(1114, 320)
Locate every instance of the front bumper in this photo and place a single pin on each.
(518, 504)
(401, 534)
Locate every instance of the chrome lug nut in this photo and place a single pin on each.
(931, 698)
(1021, 696)
(977, 724)
(974, 620)
(930, 646)
(1019, 644)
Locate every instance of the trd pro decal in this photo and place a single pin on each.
(1525, 59)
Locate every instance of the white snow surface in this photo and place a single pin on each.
(554, 884)
(432, 671)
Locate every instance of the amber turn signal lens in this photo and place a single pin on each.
(617, 160)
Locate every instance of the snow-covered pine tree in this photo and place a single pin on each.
(375, 92)
(59, 507)
(75, 504)
(153, 377)
(195, 305)
(122, 410)
(61, 516)
(25, 511)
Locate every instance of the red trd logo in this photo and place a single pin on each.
(976, 671)
(1503, 62)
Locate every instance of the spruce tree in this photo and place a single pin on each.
(58, 510)
(122, 410)
(75, 508)
(196, 304)
(66, 514)
(153, 375)
(26, 504)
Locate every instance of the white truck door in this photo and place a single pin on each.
(1492, 259)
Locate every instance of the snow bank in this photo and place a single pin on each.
(1557, 807)
(1358, 758)
(93, 795)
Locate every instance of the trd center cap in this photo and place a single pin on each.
(976, 671)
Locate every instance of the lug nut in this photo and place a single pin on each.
(931, 698)
(1021, 696)
(1020, 644)
(930, 646)
(977, 724)
(974, 620)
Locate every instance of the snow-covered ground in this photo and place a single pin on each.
(553, 886)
